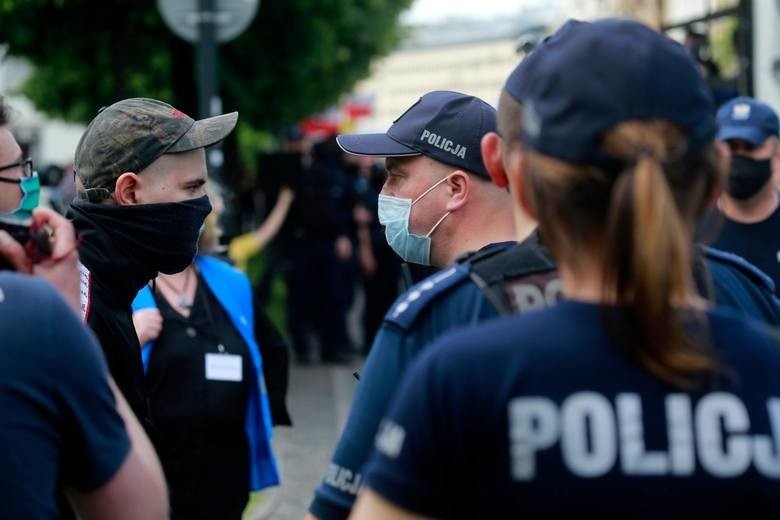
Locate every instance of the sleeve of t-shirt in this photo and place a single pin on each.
(379, 379)
(410, 458)
(96, 441)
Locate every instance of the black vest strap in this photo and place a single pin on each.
(496, 273)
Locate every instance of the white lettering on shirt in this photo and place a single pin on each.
(596, 436)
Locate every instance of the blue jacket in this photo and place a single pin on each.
(231, 288)
(448, 300)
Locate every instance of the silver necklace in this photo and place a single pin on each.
(184, 301)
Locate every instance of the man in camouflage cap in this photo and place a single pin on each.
(140, 176)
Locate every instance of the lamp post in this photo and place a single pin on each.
(206, 24)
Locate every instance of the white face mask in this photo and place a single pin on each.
(394, 214)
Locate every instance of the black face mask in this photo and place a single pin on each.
(747, 176)
(163, 237)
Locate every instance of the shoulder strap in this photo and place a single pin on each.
(494, 274)
(415, 300)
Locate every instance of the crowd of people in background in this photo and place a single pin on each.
(569, 303)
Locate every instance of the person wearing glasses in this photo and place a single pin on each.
(19, 203)
(748, 212)
(65, 430)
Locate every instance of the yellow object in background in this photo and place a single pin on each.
(242, 248)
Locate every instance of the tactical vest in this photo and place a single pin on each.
(517, 279)
(524, 277)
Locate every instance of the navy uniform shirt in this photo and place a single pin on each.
(757, 242)
(59, 425)
(442, 302)
(482, 428)
(448, 300)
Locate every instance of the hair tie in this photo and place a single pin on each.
(646, 152)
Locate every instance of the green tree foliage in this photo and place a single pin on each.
(296, 58)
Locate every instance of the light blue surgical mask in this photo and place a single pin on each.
(31, 191)
(394, 214)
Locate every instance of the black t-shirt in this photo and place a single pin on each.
(758, 243)
(202, 421)
(541, 415)
(112, 323)
(59, 425)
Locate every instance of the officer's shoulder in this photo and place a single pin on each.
(739, 264)
(408, 307)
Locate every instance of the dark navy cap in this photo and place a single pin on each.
(588, 77)
(747, 119)
(445, 126)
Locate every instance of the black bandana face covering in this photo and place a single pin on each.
(747, 176)
(162, 236)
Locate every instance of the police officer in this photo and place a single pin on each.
(436, 204)
(497, 280)
(748, 212)
(631, 397)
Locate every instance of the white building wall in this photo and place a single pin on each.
(766, 49)
(397, 81)
(52, 141)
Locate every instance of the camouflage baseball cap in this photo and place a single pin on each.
(130, 134)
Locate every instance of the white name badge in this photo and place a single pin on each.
(223, 367)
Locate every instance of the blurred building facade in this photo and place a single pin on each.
(739, 49)
(46, 141)
(469, 56)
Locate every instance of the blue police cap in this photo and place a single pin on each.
(747, 119)
(445, 126)
(588, 77)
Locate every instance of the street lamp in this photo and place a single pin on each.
(206, 23)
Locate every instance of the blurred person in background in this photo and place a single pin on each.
(209, 353)
(747, 217)
(51, 177)
(380, 267)
(317, 248)
(625, 399)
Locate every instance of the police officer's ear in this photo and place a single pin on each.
(493, 160)
(458, 185)
(125, 192)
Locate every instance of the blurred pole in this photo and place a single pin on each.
(207, 67)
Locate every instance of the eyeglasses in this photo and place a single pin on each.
(25, 164)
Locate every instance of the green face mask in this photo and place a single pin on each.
(31, 191)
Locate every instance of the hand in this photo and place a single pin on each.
(61, 269)
(367, 262)
(362, 215)
(343, 248)
(148, 324)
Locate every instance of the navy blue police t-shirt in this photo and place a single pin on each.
(58, 421)
(541, 415)
(758, 242)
